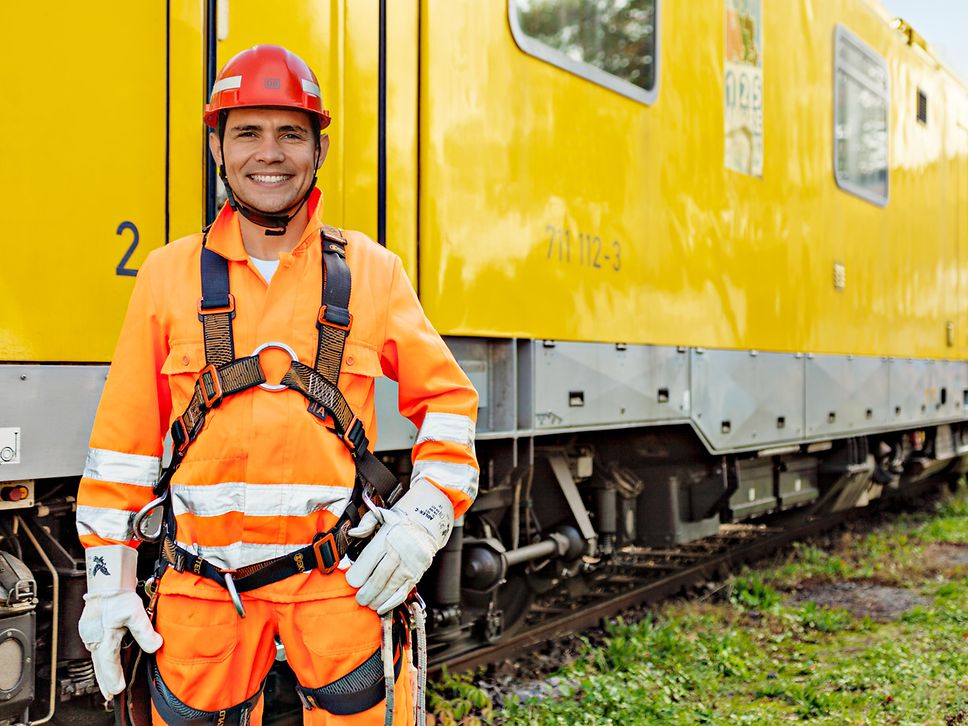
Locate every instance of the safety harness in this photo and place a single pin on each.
(225, 375)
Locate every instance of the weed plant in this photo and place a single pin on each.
(762, 655)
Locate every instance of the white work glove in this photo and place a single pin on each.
(112, 606)
(399, 554)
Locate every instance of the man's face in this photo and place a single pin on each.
(269, 156)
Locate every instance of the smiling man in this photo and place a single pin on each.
(256, 344)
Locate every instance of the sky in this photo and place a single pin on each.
(943, 23)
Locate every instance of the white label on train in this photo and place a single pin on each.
(9, 446)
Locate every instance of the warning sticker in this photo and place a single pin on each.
(744, 87)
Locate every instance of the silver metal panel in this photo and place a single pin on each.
(53, 406)
(746, 399)
(911, 400)
(524, 382)
(394, 432)
(490, 365)
(845, 394)
(947, 388)
(596, 384)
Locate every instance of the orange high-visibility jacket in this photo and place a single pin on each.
(264, 475)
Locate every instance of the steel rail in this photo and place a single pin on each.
(780, 533)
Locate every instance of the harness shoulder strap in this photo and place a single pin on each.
(216, 308)
(334, 320)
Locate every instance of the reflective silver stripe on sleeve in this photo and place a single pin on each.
(240, 554)
(226, 84)
(461, 477)
(105, 523)
(446, 427)
(115, 466)
(311, 88)
(258, 500)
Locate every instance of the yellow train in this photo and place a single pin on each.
(704, 262)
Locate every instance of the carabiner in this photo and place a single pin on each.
(373, 507)
(137, 524)
(234, 594)
(415, 602)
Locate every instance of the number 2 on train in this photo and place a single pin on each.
(122, 268)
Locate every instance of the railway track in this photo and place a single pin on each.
(642, 576)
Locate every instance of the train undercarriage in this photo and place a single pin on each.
(576, 509)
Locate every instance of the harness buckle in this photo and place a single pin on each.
(179, 562)
(180, 435)
(355, 437)
(230, 308)
(337, 317)
(308, 702)
(208, 378)
(328, 541)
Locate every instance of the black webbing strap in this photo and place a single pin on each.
(212, 385)
(176, 712)
(349, 428)
(360, 689)
(334, 320)
(324, 554)
(216, 308)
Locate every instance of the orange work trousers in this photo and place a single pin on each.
(213, 659)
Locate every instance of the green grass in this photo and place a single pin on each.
(758, 657)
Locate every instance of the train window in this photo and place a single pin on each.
(922, 107)
(860, 119)
(611, 42)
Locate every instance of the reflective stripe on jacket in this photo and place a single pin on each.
(264, 475)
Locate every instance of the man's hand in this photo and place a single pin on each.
(390, 566)
(111, 607)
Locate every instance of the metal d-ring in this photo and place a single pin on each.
(234, 594)
(277, 346)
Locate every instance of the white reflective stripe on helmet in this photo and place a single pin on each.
(116, 466)
(239, 554)
(461, 477)
(226, 84)
(258, 500)
(446, 427)
(311, 88)
(105, 523)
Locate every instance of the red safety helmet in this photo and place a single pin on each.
(266, 75)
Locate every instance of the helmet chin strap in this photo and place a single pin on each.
(274, 222)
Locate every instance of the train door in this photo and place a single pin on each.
(364, 53)
(84, 136)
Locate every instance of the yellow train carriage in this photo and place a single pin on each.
(620, 213)
(684, 250)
